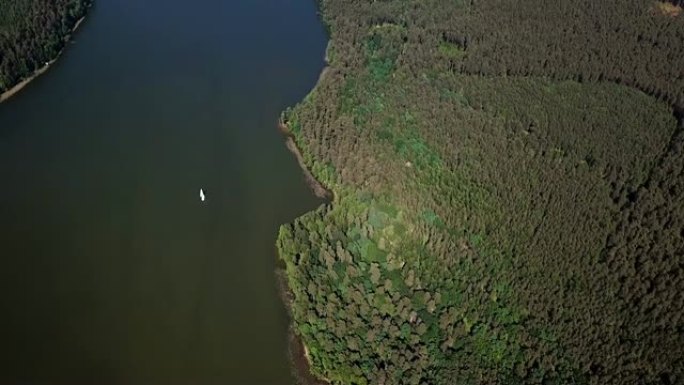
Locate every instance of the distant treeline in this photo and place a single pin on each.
(634, 43)
(33, 32)
(509, 180)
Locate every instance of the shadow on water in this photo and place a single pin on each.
(114, 271)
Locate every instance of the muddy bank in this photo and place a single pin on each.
(300, 361)
(316, 186)
(298, 354)
(19, 86)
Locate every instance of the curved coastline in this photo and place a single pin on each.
(23, 83)
(297, 350)
(299, 354)
(320, 190)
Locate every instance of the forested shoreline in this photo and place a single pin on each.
(508, 182)
(32, 33)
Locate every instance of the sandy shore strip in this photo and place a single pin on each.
(19, 86)
(297, 351)
(316, 186)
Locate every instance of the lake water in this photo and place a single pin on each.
(113, 270)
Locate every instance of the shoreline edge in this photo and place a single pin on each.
(25, 82)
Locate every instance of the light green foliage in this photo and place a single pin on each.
(488, 226)
(383, 46)
(450, 50)
(373, 288)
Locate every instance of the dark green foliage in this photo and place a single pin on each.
(509, 202)
(33, 32)
(631, 43)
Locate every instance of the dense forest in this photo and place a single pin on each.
(33, 32)
(508, 182)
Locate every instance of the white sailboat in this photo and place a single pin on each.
(202, 196)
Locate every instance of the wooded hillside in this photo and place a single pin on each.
(33, 32)
(508, 179)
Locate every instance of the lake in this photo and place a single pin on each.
(113, 270)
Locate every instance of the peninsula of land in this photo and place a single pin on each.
(509, 200)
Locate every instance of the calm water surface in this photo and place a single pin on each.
(113, 271)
